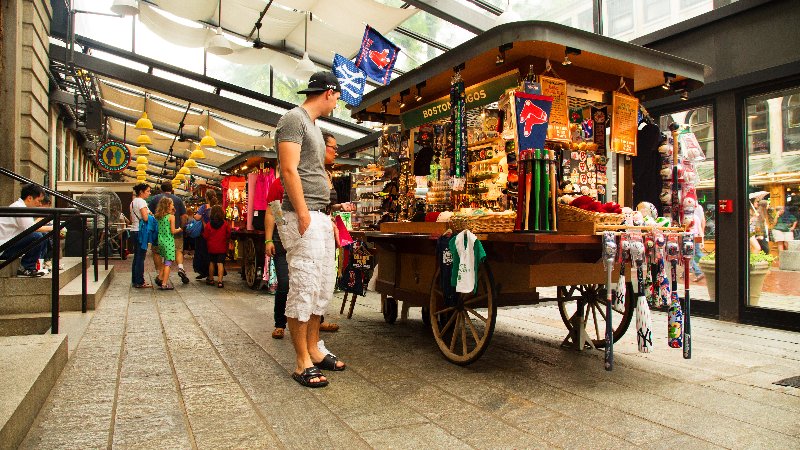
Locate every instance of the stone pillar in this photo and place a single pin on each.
(35, 86)
(10, 56)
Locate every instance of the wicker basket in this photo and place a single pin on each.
(489, 223)
(573, 220)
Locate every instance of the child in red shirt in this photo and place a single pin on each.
(216, 233)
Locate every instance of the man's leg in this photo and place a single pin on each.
(299, 331)
(29, 259)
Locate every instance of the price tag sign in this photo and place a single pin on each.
(558, 128)
(624, 122)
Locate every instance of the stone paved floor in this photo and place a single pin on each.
(197, 368)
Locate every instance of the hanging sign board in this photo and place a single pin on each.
(476, 95)
(624, 122)
(113, 156)
(558, 128)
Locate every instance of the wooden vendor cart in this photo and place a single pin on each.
(521, 268)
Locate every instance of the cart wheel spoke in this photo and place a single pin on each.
(464, 318)
(476, 299)
(599, 308)
(447, 325)
(596, 325)
(456, 331)
(475, 313)
(446, 310)
(473, 330)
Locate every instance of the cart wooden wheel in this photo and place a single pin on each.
(249, 264)
(463, 331)
(594, 316)
(390, 308)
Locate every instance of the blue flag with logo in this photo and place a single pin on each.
(533, 113)
(351, 78)
(377, 56)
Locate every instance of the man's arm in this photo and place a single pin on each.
(289, 155)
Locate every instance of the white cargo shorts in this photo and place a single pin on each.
(310, 258)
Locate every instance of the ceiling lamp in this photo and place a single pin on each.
(305, 68)
(144, 139)
(207, 141)
(125, 7)
(198, 153)
(144, 123)
(218, 44)
(142, 151)
(141, 167)
(185, 170)
(180, 176)
(141, 160)
(190, 163)
(141, 178)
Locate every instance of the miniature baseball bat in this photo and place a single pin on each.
(520, 194)
(537, 181)
(688, 254)
(609, 252)
(644, 320)
(675, 204)
(545, 199)
(528, 183)
(674, 314)
(553, 185)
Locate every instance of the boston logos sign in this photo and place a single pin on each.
(113, 156)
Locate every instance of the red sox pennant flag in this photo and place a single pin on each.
(377, 56)
(532, 119)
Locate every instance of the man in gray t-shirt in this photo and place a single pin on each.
(306, 231)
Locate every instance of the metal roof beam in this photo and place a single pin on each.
(455, 13)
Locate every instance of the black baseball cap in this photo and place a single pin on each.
(321, 82)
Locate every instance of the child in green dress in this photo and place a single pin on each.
(165, 215)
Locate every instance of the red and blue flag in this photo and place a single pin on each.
(377, 56)
(533, 113)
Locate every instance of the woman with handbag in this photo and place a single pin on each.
(201, 258)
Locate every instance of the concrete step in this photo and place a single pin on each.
(30, 366)
(31, 314)
(13, 285)
(70, 295)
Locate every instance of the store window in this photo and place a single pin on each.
(791, 122)
(700, 122)
(757, 127)
(653, 10)
(774, 198)
(620, 16)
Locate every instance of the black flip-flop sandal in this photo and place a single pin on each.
(329, 363)
(305, 378)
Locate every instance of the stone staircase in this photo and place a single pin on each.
(31, 358)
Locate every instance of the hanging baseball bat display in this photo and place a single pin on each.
(675, 204)
(551, 162)
(674, 314)
(644, 321)
(687, 251)
(609, 255)
(537, 185)
(621, 293)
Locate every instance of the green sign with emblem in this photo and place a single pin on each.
(477, 95)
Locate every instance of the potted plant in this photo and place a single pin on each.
(760, 263)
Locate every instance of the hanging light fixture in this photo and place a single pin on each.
(208, 140)
(141, 178)
(190, 163)
(305, 67)
(198, 153)
(144, 139)
(125, 7)
(180, 176)
(141, 160)
(142, 151)
(218, 44)
(144, 123)
(141, 167)
(185, 170)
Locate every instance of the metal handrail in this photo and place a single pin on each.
(48, 215)
(96, 212)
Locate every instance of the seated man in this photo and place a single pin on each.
(30, 197)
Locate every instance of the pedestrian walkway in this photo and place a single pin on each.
(196, 368)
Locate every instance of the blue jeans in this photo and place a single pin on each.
(698, 253)
(28, 259)
(139, 253)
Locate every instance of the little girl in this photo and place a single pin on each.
(216, 234)
(165, 215)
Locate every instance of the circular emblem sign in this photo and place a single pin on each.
(113, 156)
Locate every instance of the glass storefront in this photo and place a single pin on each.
(772, 128)
(700, 121)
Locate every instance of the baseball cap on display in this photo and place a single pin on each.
(321, 82)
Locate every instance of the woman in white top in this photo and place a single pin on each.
(139, 215)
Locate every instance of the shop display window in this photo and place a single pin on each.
(773, 132)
